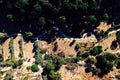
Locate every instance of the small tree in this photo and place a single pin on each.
(34, 68)
(97, 50)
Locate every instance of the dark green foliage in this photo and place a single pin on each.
(11, 47)
(38, 53)
(97, 50)
(118, 63)
(91, 61)
(92, 18)
(107, 60)
(21, 48)
(10, 17)
(38, 59)
(85, 55)
(35, 68)
(77, 46)
(50, 65)
(78, 54)
(59, 13)
(55, 46)
(83, 5)
(106, 16)
(29, 34)
(37, 7)
(89, 69)
(54, 75)
(20, 62)
(58, 61)
(48, 57)
(97, 71)
(62, 19)
(41, 21)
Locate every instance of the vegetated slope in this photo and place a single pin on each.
(27, 48)
(63, 45)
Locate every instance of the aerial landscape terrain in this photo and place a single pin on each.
(59, 39)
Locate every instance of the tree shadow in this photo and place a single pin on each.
(113, 45)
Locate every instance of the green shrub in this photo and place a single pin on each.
(41, 21)
(37, 7)
(91, 61)
(48, 57)
(106, 16)
(78, 54)
(20, 62)
(29, 34)
(54, 75)
(58, 61)
(38, 59)
(97, 50)
(10, 17)
(11, 47)
(20, 48)
(34, 68)
(89, 69)
(92, 18)
(55, 46)
(50, 65)
(77, 47)
(85, 55)
(97, 71)
(107, 60)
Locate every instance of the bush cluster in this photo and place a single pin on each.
(11, 47)
(20, 48)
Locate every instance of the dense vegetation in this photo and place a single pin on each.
(39, 15)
